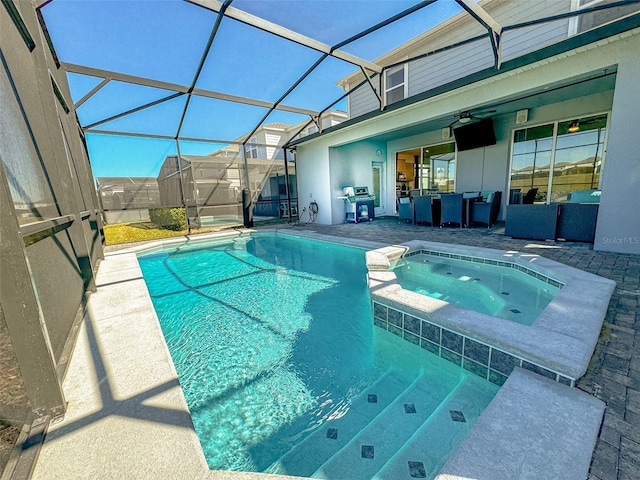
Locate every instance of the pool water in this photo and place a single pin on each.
(490, 289)
(283, 371)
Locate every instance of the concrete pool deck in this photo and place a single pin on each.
(126, 422)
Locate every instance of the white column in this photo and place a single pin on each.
(618, 228)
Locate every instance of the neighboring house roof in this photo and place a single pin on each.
(107, 181)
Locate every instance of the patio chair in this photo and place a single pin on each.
(452, 209)
(530, 196)
(405, 209)
(423, 209)
(486, 212)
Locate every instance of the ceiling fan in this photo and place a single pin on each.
(465, 116)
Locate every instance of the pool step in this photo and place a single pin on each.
(313, 451)
(367, 452)
(426, 451)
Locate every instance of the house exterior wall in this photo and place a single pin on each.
(350, 166)
(314, 183)
(435, 70)
(362, 100)
(617, 219)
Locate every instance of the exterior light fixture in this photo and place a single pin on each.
(465, 117)
(574, 126)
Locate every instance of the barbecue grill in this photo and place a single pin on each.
(358, 204)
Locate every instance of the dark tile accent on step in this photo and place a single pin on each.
(332, 433)
(409, 408)
(457, 416)
(515, 310)
(372, 398)
(416, 470)
(367, 451)
(505, 293)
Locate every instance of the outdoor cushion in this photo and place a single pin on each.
(585, 196)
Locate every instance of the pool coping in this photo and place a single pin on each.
(561, 425)
(561, 340)
(136, 363)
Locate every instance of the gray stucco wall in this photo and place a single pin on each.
(618, 228)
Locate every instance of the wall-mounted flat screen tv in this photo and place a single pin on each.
(475, 135)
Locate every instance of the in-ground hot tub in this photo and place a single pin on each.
(489, 288)
(558, 343)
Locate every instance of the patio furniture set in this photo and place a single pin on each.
(574, 220)
(445, 209)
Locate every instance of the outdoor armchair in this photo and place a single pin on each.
(486, 212)
(530, 196)
(452, 209)
(405, 210)
(423, 209)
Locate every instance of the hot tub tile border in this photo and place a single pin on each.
(452, 346)
(470, 258)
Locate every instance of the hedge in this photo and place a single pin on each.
(169, 218)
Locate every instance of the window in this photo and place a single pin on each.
(252, 148)
(395, 84)
(531, 160)
(591, 20)
(578, 158)
(559, 158)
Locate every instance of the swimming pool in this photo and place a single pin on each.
(491, 289)
(284, 372)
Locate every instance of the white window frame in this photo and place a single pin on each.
(574, 21)
(405, 82)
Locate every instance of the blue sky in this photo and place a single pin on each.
(164, 40)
